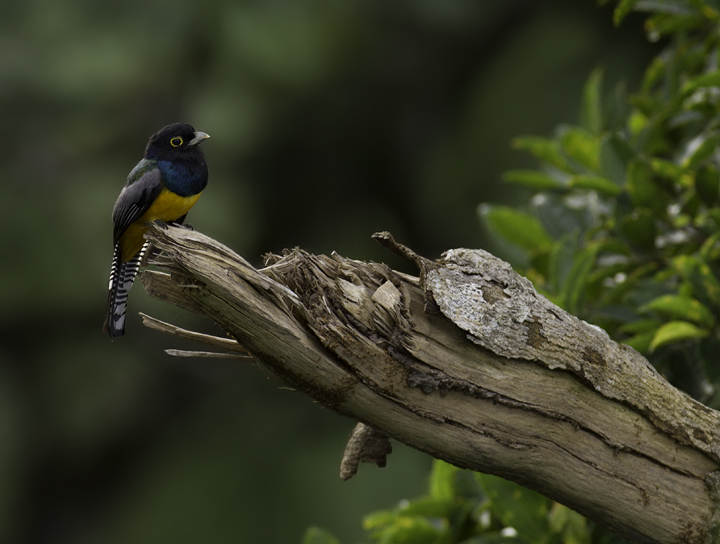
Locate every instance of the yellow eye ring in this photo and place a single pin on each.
(177, 141)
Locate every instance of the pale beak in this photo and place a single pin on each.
(199, 137)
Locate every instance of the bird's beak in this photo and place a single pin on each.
(199, 137)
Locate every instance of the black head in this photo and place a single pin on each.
(175, 142)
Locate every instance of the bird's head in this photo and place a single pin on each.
(175, 142)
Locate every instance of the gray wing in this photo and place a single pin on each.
(135, 199)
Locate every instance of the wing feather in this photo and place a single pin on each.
(144, 185)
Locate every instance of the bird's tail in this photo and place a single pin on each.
(122, 275)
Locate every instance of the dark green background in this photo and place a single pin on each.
(330, 120)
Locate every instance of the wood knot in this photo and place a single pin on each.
(535, 336)
(492, 291)
(701, 435)
(594, 357)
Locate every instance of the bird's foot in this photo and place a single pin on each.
(162, 224)
(187, 226)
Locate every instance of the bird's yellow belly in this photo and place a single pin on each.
(167, 207)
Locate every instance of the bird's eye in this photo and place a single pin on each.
(177, 141)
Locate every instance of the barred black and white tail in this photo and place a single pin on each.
(122, 275)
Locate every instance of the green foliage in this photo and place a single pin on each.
(519, 228)
(675, 331)
(682, 307)
(624, 225)
(316, 535)
(517, 507)
(449, 513)
(623, 230)
(462, 507)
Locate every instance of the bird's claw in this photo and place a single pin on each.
(186, 226)
(160, 224)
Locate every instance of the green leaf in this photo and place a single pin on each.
(493, 538)
(705, 279)
(672, 7)
(561, 260)
(431, 507)
(641, 326)
(615, 155)
(712, 5)
(654, 72)
(641, 342)
(681, 307)
(711, 79)
(595, 183)
(411, 530)
(644, 191)
(545, 149)
(596, 281)
(705, 285)
(675, 331)
(581, 146)
(616, 109)
(591, 116)
(557, 217)
(381, 518)
(316, 535)
(714, 214)
(707, 184)
(685, 289)
(575, 284)
(467, 489)
(619, 293)
(517, 227)
(639, 228)
(664, 24)
(442, 480)
(572, 526)
(708, 11)
(533, 179)
(636, 122)
(699, 149)
(515, 506)
(621, 11)
(710, 250)
(666, 169)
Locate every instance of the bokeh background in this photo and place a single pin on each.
(330, 120)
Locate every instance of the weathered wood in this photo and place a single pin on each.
(469, 364)
(173, 330)
(366, 445)
(205, 354)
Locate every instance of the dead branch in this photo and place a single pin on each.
(469, 364)
(173, 330)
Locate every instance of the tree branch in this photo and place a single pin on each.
(469, 364)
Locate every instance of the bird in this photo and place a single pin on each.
(163, 186)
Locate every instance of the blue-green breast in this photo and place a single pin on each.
(184, 178)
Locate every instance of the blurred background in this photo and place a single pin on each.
(330, 120)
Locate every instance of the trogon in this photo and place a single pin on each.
(163, 186)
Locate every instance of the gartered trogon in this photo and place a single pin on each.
(162, 186)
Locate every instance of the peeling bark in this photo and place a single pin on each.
(471, 365)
